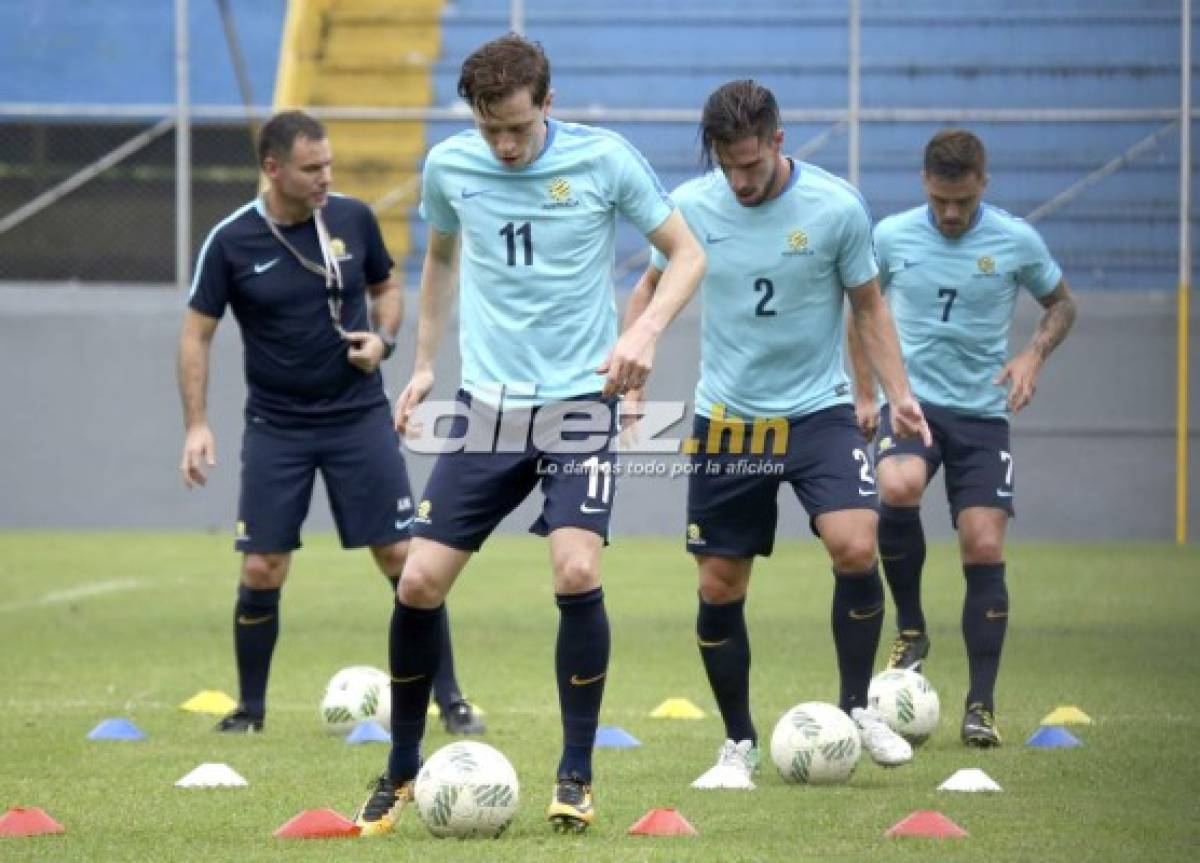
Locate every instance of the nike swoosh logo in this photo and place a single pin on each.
(703, 643)
(576, 680)
(856, 614)
(400, 525)
(1002, 493)
(992, 614)
(474, 194)
(908, 265)
(246, 620)
(259, 269)
(412, 679)
(591, 510)
(709, 238)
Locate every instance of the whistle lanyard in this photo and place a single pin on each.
(329, 271)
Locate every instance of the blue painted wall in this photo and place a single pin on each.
(92, 51)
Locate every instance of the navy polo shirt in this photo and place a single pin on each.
(296, 366)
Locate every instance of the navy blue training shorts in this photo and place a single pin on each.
(470, 492)
(362, 468)
(732, 503)
(974, 449)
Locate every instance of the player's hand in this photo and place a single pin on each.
(909, 421)
(630, 414)
(628, 366)
(199, 451)
(412, 395)
(366, 351)
(866, 414)
(1020, 373)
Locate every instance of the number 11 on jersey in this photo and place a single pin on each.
(510, 232)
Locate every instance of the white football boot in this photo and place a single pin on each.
(886, 747)
(736, 763)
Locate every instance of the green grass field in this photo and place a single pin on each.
(1110, 628)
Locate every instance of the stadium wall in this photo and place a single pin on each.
(91, 431)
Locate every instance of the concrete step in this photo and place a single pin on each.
(371, 142)
(401, 87)
(364, 43)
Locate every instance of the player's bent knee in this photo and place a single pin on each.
(983, 549)
(723, 580)
(420, 586)
(264, 571)
(717, 592)
(576, 574)
(391, 558)
(854, 555)
(900, 490)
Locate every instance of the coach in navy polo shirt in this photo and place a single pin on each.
(308, 279)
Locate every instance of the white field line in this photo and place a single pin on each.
(86, 591)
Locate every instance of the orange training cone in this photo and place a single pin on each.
(28, 821)
(662, 822)
(317, 824)
(926, 822)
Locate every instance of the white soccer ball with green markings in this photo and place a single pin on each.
(816, 744)
(356, 693)
(466, 789)
(907, 701)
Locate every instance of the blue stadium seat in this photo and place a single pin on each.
(921, 54)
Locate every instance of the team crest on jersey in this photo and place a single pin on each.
(886, 443)
(423, 511)
(693, 534)
(797, 244)
(338, 246)
(987, 265)
(560, 195)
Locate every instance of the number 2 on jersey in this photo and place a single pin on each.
(510, 233)
(767, 288)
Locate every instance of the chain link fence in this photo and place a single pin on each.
(118, 226)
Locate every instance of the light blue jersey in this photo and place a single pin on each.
(536, 281)
(953, 300)
(772, 328)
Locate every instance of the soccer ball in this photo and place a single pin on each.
(354, 694)
(466, 789)
(907, 701)
(815, 743)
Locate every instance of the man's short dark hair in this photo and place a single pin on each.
(499, 68)
(951, 154)
(735, 111)
(278, 134)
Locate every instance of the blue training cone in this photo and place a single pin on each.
(116, 729)
(615, 737)
(1053, 737)
(368, 731)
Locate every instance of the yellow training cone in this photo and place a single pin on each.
(209, 701)
(1067, 714)
(677, 708)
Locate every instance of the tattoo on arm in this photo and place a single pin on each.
(1055, 323)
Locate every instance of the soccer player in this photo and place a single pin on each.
(533, 203)
(309, 281)
(787, 244)
(952, 269)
